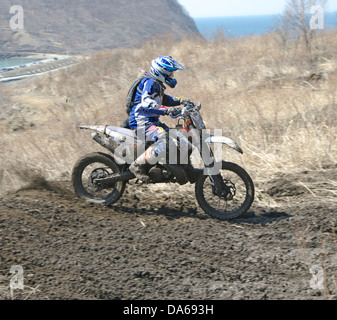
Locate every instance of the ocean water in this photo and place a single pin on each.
(247, 25)
(5, 63)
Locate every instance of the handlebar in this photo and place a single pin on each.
(176, 117)
(187, 107)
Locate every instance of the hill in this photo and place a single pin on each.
(83, 26)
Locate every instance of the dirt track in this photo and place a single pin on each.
(161, 246)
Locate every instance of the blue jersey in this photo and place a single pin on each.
(151, 106)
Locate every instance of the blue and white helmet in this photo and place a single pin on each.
(163, 68)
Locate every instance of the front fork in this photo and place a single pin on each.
(207, 155)
(219, 187)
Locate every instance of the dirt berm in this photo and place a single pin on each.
(157, 244)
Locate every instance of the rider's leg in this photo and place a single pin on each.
(157, 134)
(140, 165)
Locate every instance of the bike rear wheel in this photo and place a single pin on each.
(236, 198)
(95, 166)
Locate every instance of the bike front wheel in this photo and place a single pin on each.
(235, 196)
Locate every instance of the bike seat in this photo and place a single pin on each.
(126, 132)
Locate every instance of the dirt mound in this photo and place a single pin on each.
(323, 182)
(155, 243)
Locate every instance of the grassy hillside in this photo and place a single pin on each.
(261, 92)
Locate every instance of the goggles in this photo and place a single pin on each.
(170, 75)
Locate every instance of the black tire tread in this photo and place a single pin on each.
(77, 181)
(237, 213)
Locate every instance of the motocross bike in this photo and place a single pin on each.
(225, 193)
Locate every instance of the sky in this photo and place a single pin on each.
(221, 8)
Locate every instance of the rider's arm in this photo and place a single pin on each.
(151, 101)
(170, 101)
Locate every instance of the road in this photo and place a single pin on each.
(38, 68)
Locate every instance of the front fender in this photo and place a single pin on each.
(229, 142)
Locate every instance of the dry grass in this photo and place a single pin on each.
(258, 90)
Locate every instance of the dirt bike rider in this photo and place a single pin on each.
(151, 103)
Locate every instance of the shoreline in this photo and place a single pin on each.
(37, 56)
(43, 63)
(38, 60)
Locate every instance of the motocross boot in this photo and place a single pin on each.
(192, 173)
(140, 165)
